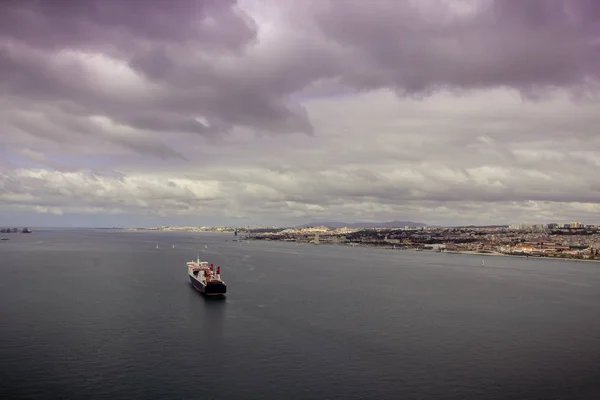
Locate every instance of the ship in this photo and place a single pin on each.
(205, 279)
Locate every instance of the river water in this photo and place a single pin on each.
(88, 314)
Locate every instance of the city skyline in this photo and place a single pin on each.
(253, 113)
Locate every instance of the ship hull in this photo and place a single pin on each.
(211, 289)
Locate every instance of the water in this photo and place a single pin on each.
(104, 314)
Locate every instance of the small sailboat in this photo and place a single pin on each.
(482, 263)
(156, 247)
(173, 246)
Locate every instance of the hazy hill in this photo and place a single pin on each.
(365, 225)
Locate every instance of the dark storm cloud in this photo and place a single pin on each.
(421, 46)
(106, 25)
(204, 58)
(175, 46)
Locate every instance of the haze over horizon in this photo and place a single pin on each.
(275, 112)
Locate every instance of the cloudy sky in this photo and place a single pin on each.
(187, 112)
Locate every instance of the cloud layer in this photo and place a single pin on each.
(283, 112)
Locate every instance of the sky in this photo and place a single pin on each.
(281, 112)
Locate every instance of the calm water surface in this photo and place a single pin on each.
(90, 314)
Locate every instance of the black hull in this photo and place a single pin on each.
(211, 289)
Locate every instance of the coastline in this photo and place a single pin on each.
(465, 252)
(367, 245)
(496, 254)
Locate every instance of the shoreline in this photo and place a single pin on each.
(388, 247)
(465, 252)
(496, 254)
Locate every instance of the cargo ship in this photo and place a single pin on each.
(205, 279)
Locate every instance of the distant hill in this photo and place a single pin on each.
(481, 226)
(366, 225)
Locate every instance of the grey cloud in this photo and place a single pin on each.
(355, 196)
(177, 47)
(166, 122)
(49, 123)
(513, 184)
(100, 24)
(449, 170)
(143, 146)
(81, 84)
(79, 190)
(524, 44)
(386, 43)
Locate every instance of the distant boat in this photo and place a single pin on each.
(156, 247)
(482, 263)
(173, 246)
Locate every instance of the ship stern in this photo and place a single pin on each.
(215, 289)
